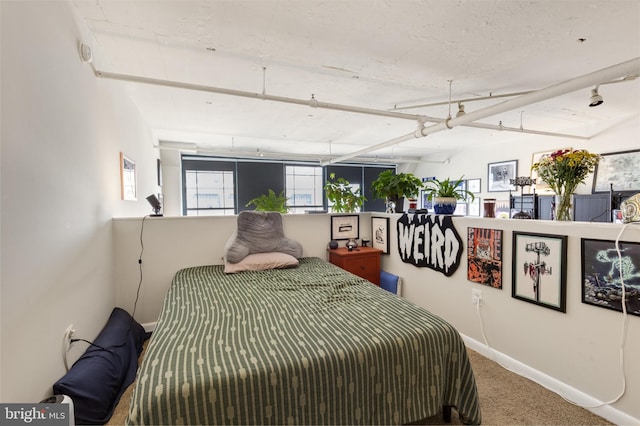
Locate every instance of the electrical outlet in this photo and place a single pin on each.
(69, 333)
(476, 296)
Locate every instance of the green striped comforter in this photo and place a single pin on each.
(310, 345)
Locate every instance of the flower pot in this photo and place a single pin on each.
(395, 205)
(444, 205)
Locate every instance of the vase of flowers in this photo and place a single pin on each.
(563, 171)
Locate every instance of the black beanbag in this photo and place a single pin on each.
(97, 380)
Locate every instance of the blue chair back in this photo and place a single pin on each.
(390, 282)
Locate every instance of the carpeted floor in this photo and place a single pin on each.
(505, 399)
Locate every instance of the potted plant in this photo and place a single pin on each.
(393, 187)
(343, 197)
(270, 202)
(445, 194)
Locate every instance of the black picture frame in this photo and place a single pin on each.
(539, 274)
(380, 233)
(345, 227)
(601, 284)
(619, 169)
(499, 175)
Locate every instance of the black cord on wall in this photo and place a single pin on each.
(135, 303)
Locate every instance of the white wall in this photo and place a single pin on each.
(578, 348)
(173, 243)
(62, 131)
(473, 163)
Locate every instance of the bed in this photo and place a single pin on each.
(307, 345)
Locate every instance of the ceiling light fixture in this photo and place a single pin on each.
(596, 99)
(460, 112)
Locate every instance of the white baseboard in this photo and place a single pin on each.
(580, 398)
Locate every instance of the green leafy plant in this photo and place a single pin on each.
(396, 185)
(447, 189)
(270, 202)
(343, 197)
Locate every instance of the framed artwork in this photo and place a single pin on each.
(541, 186)
(618, 170)
(499, 175)
(473, 185)
(473, 207)
(426, 203)
(380, 232)
(127, 178)
(539, 273)
(502, 209)
(484, 256)
(601, 270)
(461, 209)
(345, 227)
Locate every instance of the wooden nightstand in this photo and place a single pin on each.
(362, 261)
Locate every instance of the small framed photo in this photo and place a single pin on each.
(345, 227)
(484, 256)
(127, 178)
(474, 207)
(380, 233)
(617, 170)
(461, 209)
(473, 185)
(539, 273)
(427, 204)
(601, 274)
(500, 174)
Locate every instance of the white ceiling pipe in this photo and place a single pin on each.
(311, 102)
(455, 101)
(616, 71)
(194, 148)
(512, 129)
(521, 130)
(491, 97)
(260, 96)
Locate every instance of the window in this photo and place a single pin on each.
(208, 187)
(304, 188)
(222, 186)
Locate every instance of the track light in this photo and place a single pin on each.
(596, 99)
(460, 112)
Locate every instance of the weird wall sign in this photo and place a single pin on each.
(429, 241)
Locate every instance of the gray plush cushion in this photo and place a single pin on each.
(259, 232)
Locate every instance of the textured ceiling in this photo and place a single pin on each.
(381, 55)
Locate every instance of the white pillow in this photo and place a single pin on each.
(261, 262)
